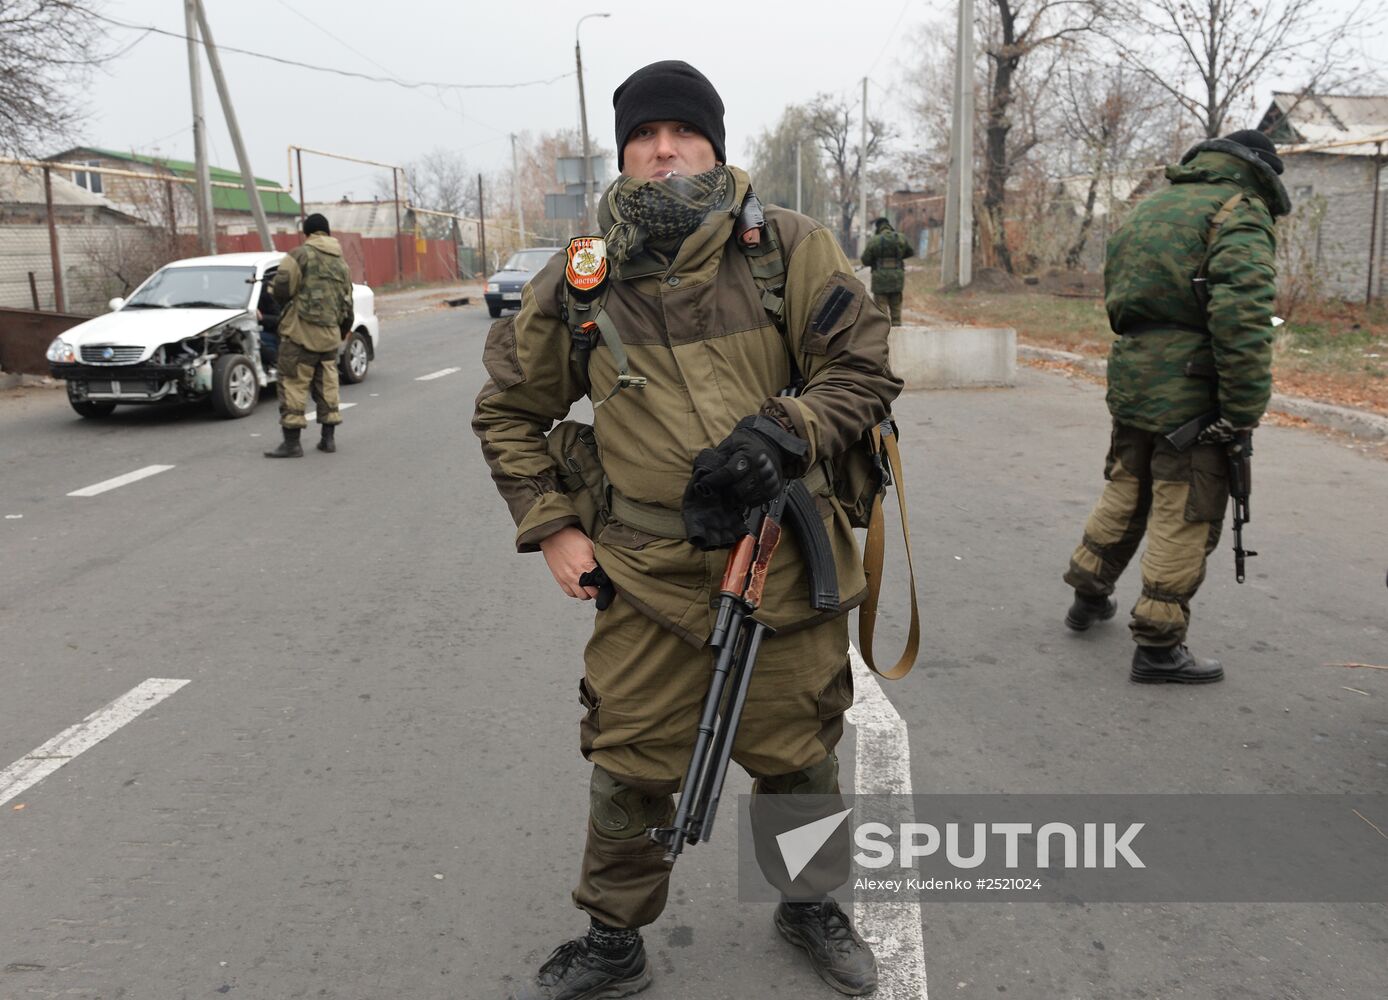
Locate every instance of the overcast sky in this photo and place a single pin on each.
(762, 55)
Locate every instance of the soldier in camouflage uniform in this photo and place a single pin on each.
(314, 287)
(693, 322)
(886, 254)
(1181, 352)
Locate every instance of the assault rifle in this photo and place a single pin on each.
(1240, 453)
(736, 640)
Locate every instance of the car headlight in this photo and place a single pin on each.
(61, 352)
(493, 286)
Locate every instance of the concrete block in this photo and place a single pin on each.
(951, 357)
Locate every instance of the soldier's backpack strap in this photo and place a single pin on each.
(586, 280)
(1201, 281)
(767, 260)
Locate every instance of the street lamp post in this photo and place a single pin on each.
(583, 114)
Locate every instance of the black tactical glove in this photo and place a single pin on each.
(748, 467)
(1220, 432)
(709, 522)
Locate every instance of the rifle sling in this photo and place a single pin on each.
(873, 554)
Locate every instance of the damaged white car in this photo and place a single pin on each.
(196, 329)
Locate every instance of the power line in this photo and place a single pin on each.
(407, 84)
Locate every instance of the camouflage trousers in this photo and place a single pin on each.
(1177, 499)
(303, 373)
(642, 692)
(889, 303)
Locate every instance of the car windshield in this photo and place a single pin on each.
(528, 260)
(195, 288)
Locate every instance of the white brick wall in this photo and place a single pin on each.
(1344, 186)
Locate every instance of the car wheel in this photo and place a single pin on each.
(89, 409)
(493, 311)
(355, 359)
(235, 390)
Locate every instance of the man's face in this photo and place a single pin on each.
(657, 150)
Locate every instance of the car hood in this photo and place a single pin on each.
(147, 328)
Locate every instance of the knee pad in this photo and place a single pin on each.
(622, 812)
(817, 779)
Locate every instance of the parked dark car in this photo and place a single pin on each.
(504, 287)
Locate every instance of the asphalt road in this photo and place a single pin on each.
(370, 787)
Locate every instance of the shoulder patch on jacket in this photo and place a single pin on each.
(835, 309)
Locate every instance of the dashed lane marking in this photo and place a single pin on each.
(438, 374)
(311, 415)
(119, 481)
(38, 764)
(884, 768)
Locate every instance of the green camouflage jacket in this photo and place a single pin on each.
(885, 254)
(697, 329)
(1174, 361)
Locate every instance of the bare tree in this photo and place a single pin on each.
(46, 46)
(1218, 50)
(773, 164)
(830, 121)
(1015, 29)
(1108, 113)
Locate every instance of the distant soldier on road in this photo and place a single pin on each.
(698, 338)
(886, 252)
(314, 287)
(1189, 285)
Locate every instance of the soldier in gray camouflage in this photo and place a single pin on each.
(886, 254)
(1189, 285)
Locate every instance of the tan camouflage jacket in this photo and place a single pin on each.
(697, 330)
(289, 285)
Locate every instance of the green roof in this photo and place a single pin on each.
(223, 199)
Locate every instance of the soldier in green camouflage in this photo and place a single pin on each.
(886, 253)
(1189, 285)
(314, 287)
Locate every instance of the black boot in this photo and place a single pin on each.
(1087, 610)
(326, 442)
(606, 963)
(838, 954)
(289, 447)
(1173, 665)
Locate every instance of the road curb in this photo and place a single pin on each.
(1359, 423)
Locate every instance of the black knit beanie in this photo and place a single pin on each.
(1261, 146)
(317, 223)
(669, 91)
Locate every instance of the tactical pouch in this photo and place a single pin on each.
(574, 449)
(860, 476)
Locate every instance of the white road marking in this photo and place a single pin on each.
(438, 374)
(884, 768)
(39, 764)
(125, 480)
(312, 415)
(13, 517)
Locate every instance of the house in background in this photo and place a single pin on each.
(150, 200)
(1333, 147)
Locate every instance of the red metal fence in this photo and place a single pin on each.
(373, 259)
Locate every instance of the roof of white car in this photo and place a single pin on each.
(229, 260)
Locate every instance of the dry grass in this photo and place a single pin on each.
(1334, 352)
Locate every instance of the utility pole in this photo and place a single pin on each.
(399, 256)
(242, 160)
(482, 225)
(862, 176)
(583, 115)
(516, 191)
(207, 226)
(59, 299)
(798, 161)
(956, 260)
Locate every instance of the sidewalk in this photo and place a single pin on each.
(410, 300)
